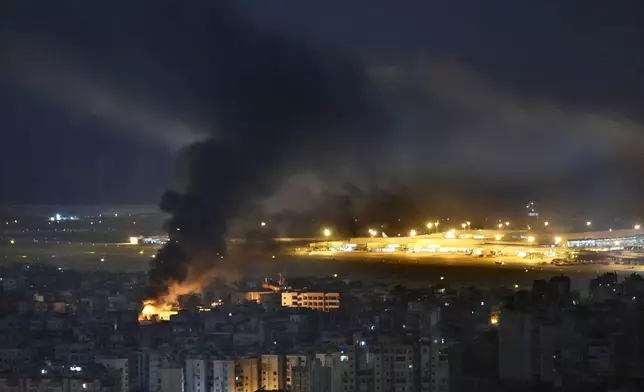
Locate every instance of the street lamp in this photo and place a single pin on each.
(468, 224)
(436, 225)
(412, 233)
(546, 223)
(507, 224)
(500, 225)
(263, 224)
(557, 240)
(530, 239)
(588, 223)
(463, 225)
(327, 234)
(637, 227)
(429, 226)
(373, 232)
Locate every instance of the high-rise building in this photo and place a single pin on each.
(196, 375)
(120, 366)
(273, 371)
(526, 348)
(247, 374)
(223, 375)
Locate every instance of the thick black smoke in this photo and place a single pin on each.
(276, 101)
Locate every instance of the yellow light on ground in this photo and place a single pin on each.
(546, 223)
(412, 233)
(141, 252)
(498, 237)
(557, 240)
(327, 232)
(134, 240)
(530, 239)
(636, 227)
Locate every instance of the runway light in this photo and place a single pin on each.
(636, 227)
(557, 240)
(412, 233)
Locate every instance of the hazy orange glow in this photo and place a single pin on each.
(157, 312)
(162, 308)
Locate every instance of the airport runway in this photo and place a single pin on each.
(410, 269)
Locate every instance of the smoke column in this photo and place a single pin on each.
(279, 105)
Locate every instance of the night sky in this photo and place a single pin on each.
(493, 101)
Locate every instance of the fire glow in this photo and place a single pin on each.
(162, 308)
(156, 312)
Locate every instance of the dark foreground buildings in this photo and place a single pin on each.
(70, 331)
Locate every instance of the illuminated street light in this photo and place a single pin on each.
(588, 223)
(463, 225)
(557, 240)
(263, 224)
(546, 223)
(429, 225)
(498, 237)
(12, 242)
(468, 224)
(500, 225)
(327, 232)
(530, 239)
(507, 224)
(373, 232)
(636, 227)
(412, 233)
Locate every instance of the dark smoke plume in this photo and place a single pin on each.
(276, 100)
